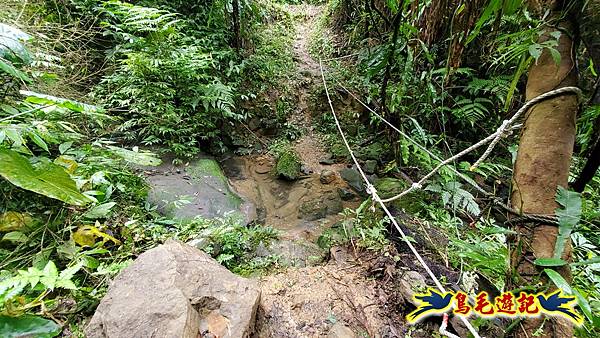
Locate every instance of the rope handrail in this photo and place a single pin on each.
(548, 219)
(493, 138)
(373, 192)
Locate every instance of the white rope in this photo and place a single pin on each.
(495, 137)
(417, 144)
(444, 326)
(502, 130)
(373, 192)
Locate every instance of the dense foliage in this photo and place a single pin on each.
(219, 76)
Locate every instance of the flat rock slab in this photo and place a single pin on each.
(175, 290)
(197, 189)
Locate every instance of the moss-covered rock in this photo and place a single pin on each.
(288, 165)
(200, 189)
(388, 187)
(339, 150)
(373, 151)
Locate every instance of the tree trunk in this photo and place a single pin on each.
(542, 164)
(590, 36)
(237, 40)
(589, 169)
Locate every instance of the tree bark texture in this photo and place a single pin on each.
(543, 161)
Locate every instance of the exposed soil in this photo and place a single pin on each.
(280, 203)
(309, 302)
(312, 301)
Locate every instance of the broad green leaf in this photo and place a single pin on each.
(550, 262)
(535, 51)
(555, 55)
(68, 273)
(99, 211)
(141, 158)
(559, 281)
(568, 216)
(45, 178)
(13, 71)
(63, 147)
(15, 237)
(28, 327)
(584, 305)
(38, 140)
(14, 136)
(11, 46)
(8, 109)
(72, 105)
(50, 275)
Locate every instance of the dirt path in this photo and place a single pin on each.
(310, 145)
(336, 299)
(301, 209)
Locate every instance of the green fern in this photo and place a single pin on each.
(496, 87)
(472, 110)
(453, 195)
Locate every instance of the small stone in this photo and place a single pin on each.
(305, 170)
(327, 176)
(352, 176)
(411, 282)
(328, 159)
(345, 194)
(254, 124)
(370, 166)
(339, 330)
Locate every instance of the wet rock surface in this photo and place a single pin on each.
(175, 290)
(301, 209)
(198, 188)
(327, 176)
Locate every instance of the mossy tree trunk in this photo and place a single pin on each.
(542, 164)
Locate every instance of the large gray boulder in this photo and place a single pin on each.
(176, 291)
(199, 188)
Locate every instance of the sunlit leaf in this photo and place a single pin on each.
(550, 262)
(99, 211)
(86, 236)
(45, 178)
(559, 281)
(568, 217)
(12, 220)
(15, 237)
(141, 158)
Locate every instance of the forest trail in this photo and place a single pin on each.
(315, 293)
(300, 209)
(334, 299)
